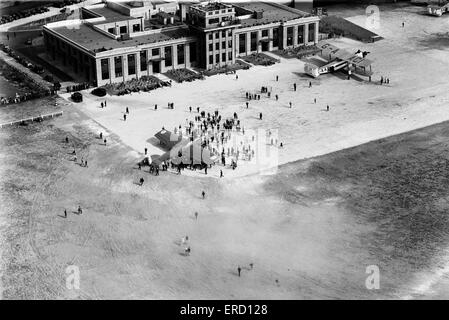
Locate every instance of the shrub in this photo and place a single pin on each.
(77, 97)
(99, 92)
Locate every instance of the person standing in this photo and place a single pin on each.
(101, 135)
(66, 139)
(141, 181)
(146, 150)
(277, 97)
(294, 87)
(104, 141)
(124, 117)
(196, 215)
(314, 100)
(239, 270)
(155, 107)
(277, 78)
(65, 213)
(105, 103)
(203, 194)
(260, 116)
(101, 105)
(247, 104)
(221, 174)
(327, 108)
(290, 104)
(310, 84)
(127, 110)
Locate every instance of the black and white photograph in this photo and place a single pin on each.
(224, 150)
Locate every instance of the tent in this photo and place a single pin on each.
(168, 139)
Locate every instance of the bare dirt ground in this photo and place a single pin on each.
(310, 230)
(313, 227)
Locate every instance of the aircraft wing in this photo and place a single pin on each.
(335, 52)
(358, 61)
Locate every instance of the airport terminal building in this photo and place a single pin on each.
(118, 41)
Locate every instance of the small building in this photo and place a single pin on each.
(168, 139)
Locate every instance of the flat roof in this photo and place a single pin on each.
(110, 15)
(271, 13)
(95, 41)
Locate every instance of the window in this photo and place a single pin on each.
(111, 30)
(104, 69)
(211, 47)
(253, 41)
(301, 34)
(217, 35)
(118, 66)
(131, 64)
(168, 56)
(230, 55)
(242, 43)
(217, 46)
(122, 29)
(192, 52)
(211, 59)
(223, 57)
(180, 52)
(264, 33)
(143, 60)
(223, 33)
(275, 37)
(223, 45)
(229, 43)
(289, 36)
(230, 33)
(214, 20)
(217, 58)
(211, 36)
(136, 27)
(312, 32)
(155, 52)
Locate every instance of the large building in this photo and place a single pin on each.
(118, 41)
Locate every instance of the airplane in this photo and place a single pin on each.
(338, 59)
(438, 9)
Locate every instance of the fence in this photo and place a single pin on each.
(39, 118)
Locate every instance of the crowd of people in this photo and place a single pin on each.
(26, 96)
(78, 87)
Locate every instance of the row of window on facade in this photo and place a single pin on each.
(217, 57)
(217, 34)
(131, 59)
(275, 39)
(223, 45)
